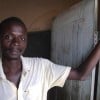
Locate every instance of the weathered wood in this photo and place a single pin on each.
(98, 76)
(72, 41)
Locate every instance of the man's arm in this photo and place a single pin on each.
(85, 68)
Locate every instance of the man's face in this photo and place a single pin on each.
(13, 41)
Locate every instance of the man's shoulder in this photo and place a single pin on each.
(36, 59)
(37, 62)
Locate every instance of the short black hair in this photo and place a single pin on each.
(11, 20)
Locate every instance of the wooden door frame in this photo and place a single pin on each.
(97, 33)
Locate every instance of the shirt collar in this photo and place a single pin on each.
(25, 64)
(2, 75)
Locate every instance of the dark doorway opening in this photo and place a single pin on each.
(39, 44)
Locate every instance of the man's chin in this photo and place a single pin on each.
(12, 57)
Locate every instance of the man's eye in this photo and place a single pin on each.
(22, 38)
(8, 37)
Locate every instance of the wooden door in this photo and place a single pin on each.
(72, 40)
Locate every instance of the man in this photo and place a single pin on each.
(24, 78)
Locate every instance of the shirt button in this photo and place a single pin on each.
(24, 73)
(26, 91)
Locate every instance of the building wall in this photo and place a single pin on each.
(37, 15)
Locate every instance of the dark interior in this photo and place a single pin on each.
(39, 44)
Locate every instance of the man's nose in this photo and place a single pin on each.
(16, 41)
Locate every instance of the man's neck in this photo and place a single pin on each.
(11, 65)
(12, 69)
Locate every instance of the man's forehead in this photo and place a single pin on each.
(18, 33)
(15, 28)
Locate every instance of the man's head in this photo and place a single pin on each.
(13, 37)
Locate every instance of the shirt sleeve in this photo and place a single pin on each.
(56, 75)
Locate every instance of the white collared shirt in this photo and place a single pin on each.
(38, 76)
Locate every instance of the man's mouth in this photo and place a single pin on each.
(14, 51)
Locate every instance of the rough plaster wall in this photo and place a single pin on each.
(37, 14)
